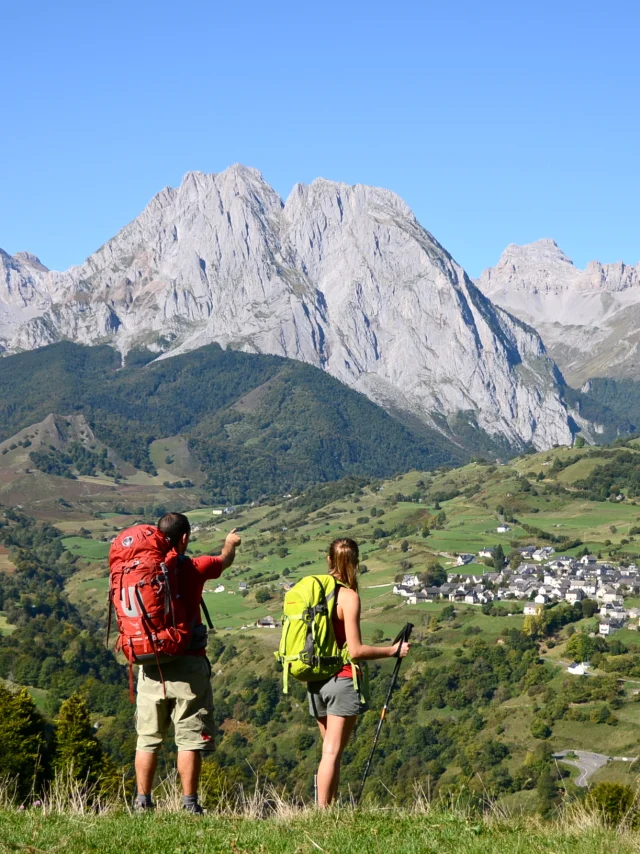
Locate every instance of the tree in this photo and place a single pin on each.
(580, 647)
(263, 595)
(539, 728)
(579, 442)
(77, 751)
(589, 607)
(24, 755)
(547, 792)
(404, 546)
(498, 557)
(377, 636)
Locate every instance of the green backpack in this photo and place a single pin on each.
(308, 647)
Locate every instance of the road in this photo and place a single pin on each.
(588, 763)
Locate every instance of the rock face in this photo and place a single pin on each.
(342, 277)
(589, 319)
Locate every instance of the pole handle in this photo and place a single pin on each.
(403, 635)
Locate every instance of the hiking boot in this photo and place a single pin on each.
(193, 809)
(141, 808)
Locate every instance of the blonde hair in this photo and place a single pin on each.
(344, 557)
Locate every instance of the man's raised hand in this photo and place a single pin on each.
(232, 539)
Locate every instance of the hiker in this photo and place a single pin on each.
(175, 687)
(335, 703)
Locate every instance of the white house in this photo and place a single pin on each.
(608, 627)
(503, 529)
(410, 581)
(464, 559)
(267, 623)
(586, 560)
(219, 588)
(574, 596)
(540, 599)
(531, 609)
(419, 598)
(485, 553)
(401, 590)
(578, 668)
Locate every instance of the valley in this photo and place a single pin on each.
(416, 524)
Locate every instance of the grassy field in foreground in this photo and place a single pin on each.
(345, 832)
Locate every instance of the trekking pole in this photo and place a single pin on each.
(403, 637)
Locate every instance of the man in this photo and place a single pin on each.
(187, 680)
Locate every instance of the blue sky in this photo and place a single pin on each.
(497, 122)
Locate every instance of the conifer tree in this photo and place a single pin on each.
(77, 750)
(24, 758)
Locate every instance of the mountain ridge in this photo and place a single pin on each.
(588, 319)
(341, 277)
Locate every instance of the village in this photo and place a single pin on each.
(541, 578)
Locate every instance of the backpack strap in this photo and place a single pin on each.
(360, 683)
(205, 611)
(203, 604)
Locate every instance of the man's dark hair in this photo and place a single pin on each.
(174, 526)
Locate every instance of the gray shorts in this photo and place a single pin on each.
(336, 696)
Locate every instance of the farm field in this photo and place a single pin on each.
(286, 539)
(405, 525)
(5, 626)
(420, 522)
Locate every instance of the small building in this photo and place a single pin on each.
(401, 590)
(219, 589)
(608, 627)
(578, 668)
(465, 559)
(532, 610)
(503, 529)
(419, 598)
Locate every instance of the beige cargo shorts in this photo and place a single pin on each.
(188, 705)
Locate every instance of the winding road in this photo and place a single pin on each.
(588, 763)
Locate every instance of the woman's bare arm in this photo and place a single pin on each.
(358, 651)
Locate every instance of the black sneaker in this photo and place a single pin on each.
(194, 809)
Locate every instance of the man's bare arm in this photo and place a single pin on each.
(228, 552)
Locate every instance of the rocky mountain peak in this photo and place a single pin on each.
(30, 259)
(588, 319)
(342, 277)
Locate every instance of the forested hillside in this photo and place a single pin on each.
(484, 700)
(255, 424)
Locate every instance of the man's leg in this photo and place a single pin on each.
(189, 767)
(152, 721)
(146, 764)
(194, 726)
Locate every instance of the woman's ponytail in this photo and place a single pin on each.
(344, 557)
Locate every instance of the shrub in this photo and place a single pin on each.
(614, 802)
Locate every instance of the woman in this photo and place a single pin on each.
(335, 704)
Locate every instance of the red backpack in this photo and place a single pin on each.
(143, 591)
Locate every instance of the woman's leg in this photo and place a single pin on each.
(335, 733)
